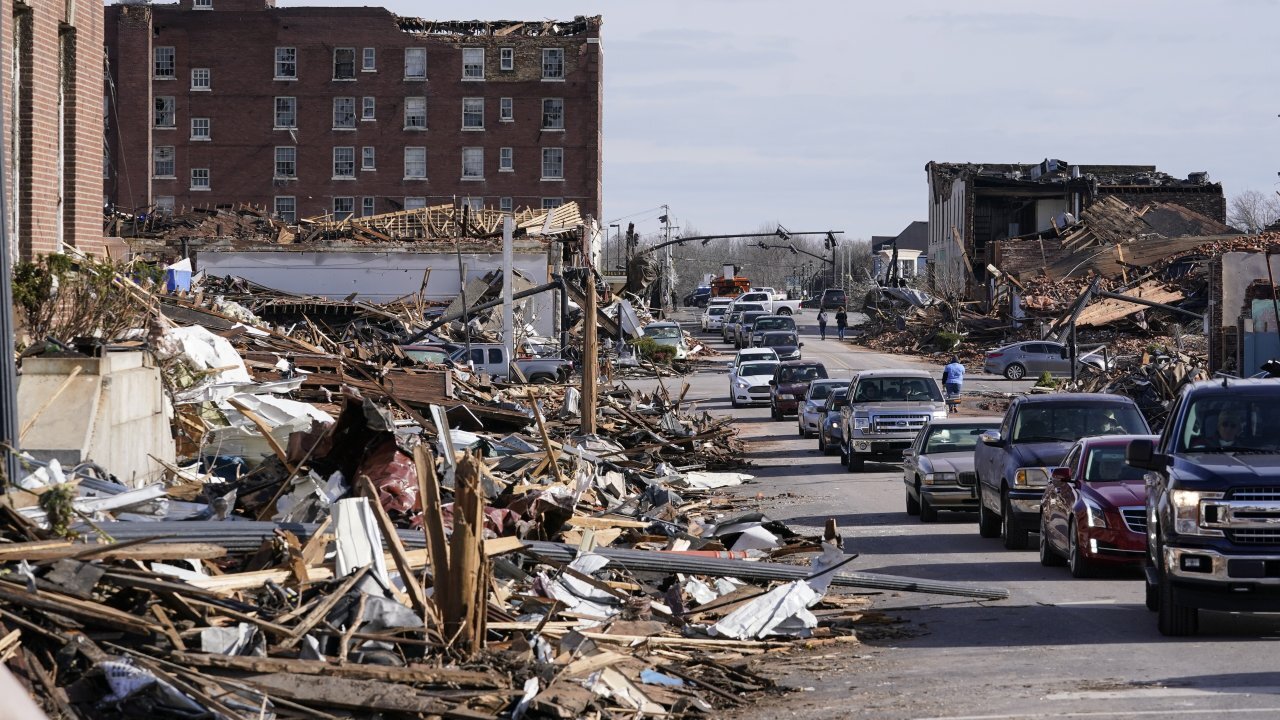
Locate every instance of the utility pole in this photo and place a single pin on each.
(590, 349)
(508, 311)
(8, 364)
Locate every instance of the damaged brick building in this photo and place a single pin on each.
(348, 110)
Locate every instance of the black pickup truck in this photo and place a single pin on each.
(1213, 503)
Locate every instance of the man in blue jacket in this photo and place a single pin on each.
(952, 380)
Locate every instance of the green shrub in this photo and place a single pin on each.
(1046, 380)
(947, 340)
(650, 350)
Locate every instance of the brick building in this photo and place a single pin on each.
(316, 110)
(51, 77)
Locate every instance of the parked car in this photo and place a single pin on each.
(699, 296)
(749, 383)
(812, 410)
(1094, 509)
(790, 384)
(767, 323)
(770, 302)
(784, 342)
(730, 328)
(713, 317)
(491, 358)
(1014, 462)
(742, 331)
(1021, 359)
(886, 409)
(833, 298)
(1213, 488)
(938, 467)
(829, 434)
(754, 355)
(670, 335)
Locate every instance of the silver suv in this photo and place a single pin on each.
(886, 409)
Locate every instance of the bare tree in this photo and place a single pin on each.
(1252, 211)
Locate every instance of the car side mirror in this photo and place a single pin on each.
(799, 344)
(773, 383)
(906, 454)
(992, 438)
(1141, 453)
(1062, 474)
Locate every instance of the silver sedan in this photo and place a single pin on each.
(813, 409)
(938, 467)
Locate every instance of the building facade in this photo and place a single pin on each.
(51, 77)
(310, 111)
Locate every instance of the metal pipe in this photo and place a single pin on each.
(482, 306)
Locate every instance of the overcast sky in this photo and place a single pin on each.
(822, 115)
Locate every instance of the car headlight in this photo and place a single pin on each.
(786, 396)
(939, 414)
(861, 423)
(740, 383)
(1188, 512)
(833, 422)
(1031, 477)
(1093, 515)
(939, 478)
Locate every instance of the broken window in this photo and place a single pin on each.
(201, 79)
(472, 202)
(369, 62)
(286, 112)
(367, 106)
(344, 162)
(552, 63)
(506, 58)
(506, 159)
(165, 63)
(344, 112)
(344, 207)
(200, 128)
(472, 63)
(552, 163)
(415, 113)
(286, 63)
(287, 208)
(344, 63)
(199, 178)
(166, 115)
(506, 110)
(415, 63)
(553, 113)
(473, 113)
(286, 163)
(367, 158)
(415, 163)
(164, 204)
(162, 161)
(472, 163)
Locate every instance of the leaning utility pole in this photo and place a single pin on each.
(590, 349)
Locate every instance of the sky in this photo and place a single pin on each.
(822, 115)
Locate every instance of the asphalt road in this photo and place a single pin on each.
(1058, 648)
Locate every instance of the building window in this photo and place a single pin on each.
(552, 163)
(472, 113)
(287, 208)
(415, 203)
(344, 113)
(506, 110)
(367, 206)
(506, 58)
(201, 79)
(164, 204)
(367, 106)
(472, 163)
(552, 203)
(166, 114)
(367, 158)
(369, 61)
(344, 63)
(415, 63)
(415, 163)
(200, 129)
(286, 112)
(472, 63)
(472, 202)
(202, 5)
(506, 159)
(552, 113)
(166, 63)
(505, 204)
(344, 162)
(286, 163)
(552, 64)
(162, 161)
(286, 63)
(344, 207)
(199, 178)
(415, 113)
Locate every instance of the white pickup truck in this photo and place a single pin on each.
(770, 305)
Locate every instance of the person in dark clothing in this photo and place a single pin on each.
(842, 322)
(822, 323)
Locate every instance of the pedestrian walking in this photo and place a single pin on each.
(953, 380)
(842, 322)
(822, 323)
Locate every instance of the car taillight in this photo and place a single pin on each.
(994, 354)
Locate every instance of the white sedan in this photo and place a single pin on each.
(755, 355)
(749, 383)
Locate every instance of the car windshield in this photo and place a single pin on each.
(1053, 422)
(821, 390)
(1106, 464)
(427, 356)
(838, 399)
(801, 373)
(778, 339)
(715, 310)
(895, 389)
(774, 323)
(663, 332)
(954, 438)
(1235, 423)
(758, 368)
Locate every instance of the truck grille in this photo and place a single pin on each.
(1264, 536)
(968, 479)
(1255, 494)
(1135, 518)
(898, 423)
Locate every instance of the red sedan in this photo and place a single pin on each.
(1094, 510)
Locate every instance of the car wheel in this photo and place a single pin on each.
(913, 505)
(1048, 556)
(928, 513)
(1015, 371)
(1174, 619)
(734, 402)
(800, 429)
(784, 311)
(822, 442)
(1079, 564)
(1014, 537)
(988, 522)
(856, 462)
(1152, 598)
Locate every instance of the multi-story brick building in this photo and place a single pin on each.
(348, 110)
(51, 78)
